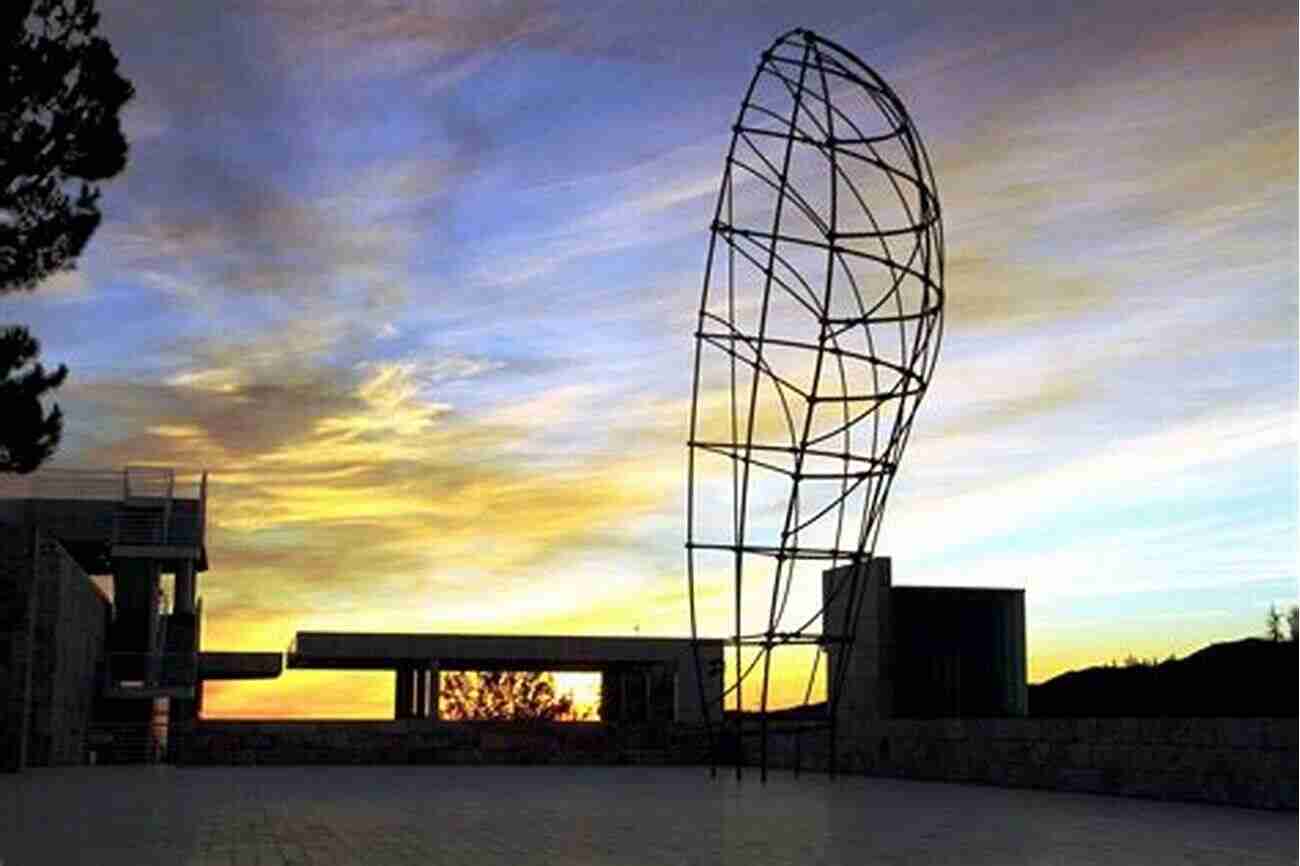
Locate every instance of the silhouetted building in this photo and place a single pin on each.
(925, 652)
(643, 679)
(76, 672)
(82, 675)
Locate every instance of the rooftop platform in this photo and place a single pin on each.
(239, 665)
(97, 514)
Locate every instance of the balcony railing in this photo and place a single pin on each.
(154, 506)
(64, 484)
(119, 485)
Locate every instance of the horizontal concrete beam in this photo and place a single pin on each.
(359, 651)
(240, 665)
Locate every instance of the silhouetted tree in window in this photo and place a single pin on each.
(1293, 623)
(60, 95)
(505, 696)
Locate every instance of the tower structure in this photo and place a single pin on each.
(136, 526)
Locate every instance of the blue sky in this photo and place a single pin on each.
(416, 283)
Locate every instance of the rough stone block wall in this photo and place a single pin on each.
(420, 741)
(67, 651)
(52, 626)
(1240, 762)
(17, 623)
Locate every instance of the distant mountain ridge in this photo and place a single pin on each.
(1249, 677)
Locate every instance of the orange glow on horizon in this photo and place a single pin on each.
(355, 695)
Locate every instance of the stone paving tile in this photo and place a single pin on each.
(628, 816)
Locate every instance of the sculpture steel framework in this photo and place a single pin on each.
(819, 326)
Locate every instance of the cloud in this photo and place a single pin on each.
(246, 239)
(990, 289)
(1135, 463)
(362, 480)
(450, 40)
(380, 38)
(67, 286)
(357, 497)
(1069, 193)
(652, 202)
(244, 397)
(1016, 401)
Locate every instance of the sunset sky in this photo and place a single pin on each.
(416, 283)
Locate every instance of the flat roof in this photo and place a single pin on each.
(381, 651)
(957, 589)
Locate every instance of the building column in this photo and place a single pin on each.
(860, 662)
(421, 692)
(402, 693)
(183, 642)
(135, 603)
(185, 587)
(134, 630)
(609, 696)
(435, 689)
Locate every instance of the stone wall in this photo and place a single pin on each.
(52, 626)
(1241, 762)
(421, 741)
(67, 654)
(17, 623)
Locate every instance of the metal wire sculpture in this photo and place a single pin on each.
(818, 330)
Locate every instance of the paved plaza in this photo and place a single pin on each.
(425, 815)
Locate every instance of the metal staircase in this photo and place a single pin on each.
(145, 515)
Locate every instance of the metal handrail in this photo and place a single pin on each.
(64, 484)
(154, 508)
(148, 482)
(116, 485)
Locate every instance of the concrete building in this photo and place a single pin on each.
(923, 652)
(77, 670)
(643, 679)
(117, 673)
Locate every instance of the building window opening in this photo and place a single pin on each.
(519, 696)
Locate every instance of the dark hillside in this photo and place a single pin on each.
(1251, 677)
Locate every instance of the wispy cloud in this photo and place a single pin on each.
(648, 204)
